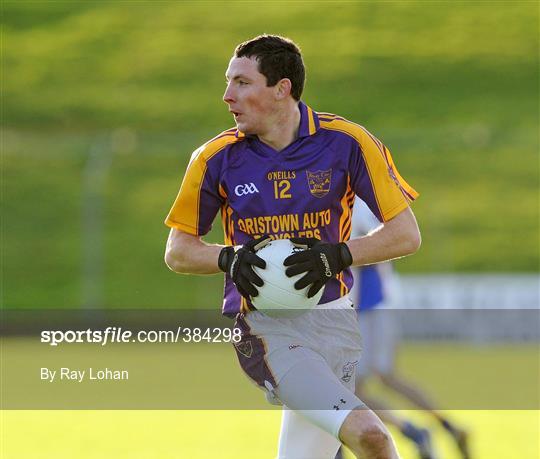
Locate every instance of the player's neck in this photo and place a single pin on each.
(284, 129)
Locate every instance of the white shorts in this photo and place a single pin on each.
(307, 362)
(379, 338)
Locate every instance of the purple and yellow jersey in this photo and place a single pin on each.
(305, 190)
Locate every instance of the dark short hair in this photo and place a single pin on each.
(278, 58)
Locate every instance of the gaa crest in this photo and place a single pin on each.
(245, 348)
(319, 182)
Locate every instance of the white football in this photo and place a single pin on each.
(278, 297)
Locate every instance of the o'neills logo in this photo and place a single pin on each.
(319, 182)
(327, 270)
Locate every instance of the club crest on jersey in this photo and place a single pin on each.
(348, 370)
(245, 348)
(319, 182)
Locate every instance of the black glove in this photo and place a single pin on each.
(237, 262)
(320, 260)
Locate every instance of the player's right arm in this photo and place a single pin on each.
(194, 209)
(200, 197)
(189, 254)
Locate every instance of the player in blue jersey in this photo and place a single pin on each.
(286, 171)
(376, 293)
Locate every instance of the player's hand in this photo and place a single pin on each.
(238, 263)
(320, 260)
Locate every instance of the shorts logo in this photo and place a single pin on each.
(245, 348)
(247, 188)
(341, 401)
(319, 182)
(294, 346)
(348, 371)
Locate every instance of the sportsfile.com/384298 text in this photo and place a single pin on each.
(120, 335)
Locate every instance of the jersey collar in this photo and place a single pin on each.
(309, 122)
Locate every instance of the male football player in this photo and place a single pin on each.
(376, 293)
(286, 171)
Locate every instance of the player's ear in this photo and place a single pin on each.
(283, 88)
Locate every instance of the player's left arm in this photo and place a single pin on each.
(396, 238)
(321, 261)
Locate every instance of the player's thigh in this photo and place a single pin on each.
(314, 391)
(301, 439)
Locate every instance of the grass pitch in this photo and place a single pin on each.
(226, 434)
(241, 433)
(451, 88)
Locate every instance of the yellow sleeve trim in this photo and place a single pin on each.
(184, 214)
(389, 215)
(181, 227)
(392, 192)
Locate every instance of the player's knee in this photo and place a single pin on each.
(375, 442)
(365, 434)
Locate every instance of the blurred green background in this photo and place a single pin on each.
(103, 102)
